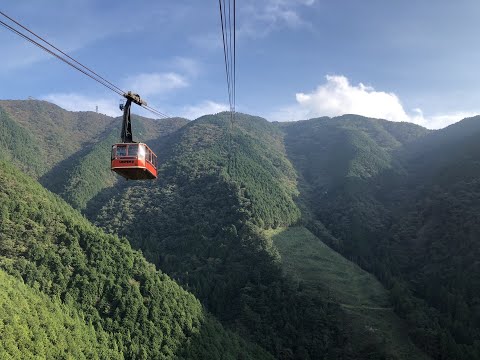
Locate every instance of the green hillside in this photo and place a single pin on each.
(57, 251)
(69, 151)
(395, 198)
(201, 222)
(52, 134)
(20, 146)
(318, 269)
(33, 326)
(412, 221)
(342, 162)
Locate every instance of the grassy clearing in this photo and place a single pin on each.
(317, 268)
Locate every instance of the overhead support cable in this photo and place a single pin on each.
(62, 56)
(229, 47)
(229, 55)
(225, 48)
(15, 31)
(60, 51)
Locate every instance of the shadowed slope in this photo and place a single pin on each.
(413, 221)
(373, 325)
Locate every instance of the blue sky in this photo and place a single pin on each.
(296, 59)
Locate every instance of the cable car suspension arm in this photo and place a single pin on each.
(126, 134)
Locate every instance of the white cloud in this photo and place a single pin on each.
(148, 84)
(337, 97)
(440, 121)
(204, 108)
(77, 102)
(189, 66)
(260, 18)
(109, 106)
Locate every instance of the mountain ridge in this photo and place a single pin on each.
(404, 224)
(350, 180)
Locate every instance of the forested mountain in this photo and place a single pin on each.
(143, 312)
(38, 135)
(201, 222)
(406, 210)
(106, 296)
(395, 198)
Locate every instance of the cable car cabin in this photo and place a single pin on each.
(134, 161)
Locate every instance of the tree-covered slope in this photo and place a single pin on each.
(375, 330)
(79, 179)
(412, 221)
(201, 222)
(57, 251)
(33, 326)
(248, 151)
(69, 151)
(435, 237)
(342, 162)
(326, 151)
(53, 132)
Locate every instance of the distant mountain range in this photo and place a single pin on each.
(240, 217)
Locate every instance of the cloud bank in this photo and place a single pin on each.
(261, 18)
(108, 106)
(337, 97)
(206, 107)
(78, 102)
(148, 84)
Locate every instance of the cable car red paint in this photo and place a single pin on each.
(134, 161)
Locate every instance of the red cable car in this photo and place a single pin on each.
(133, 161)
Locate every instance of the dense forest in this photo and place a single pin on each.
(108, 294)
(202, 222)
(404, 205)
(36, 326)
(219, 274)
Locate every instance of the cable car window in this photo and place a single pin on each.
(148, 156)
(121, 151)
(132, 150)
(141, 151)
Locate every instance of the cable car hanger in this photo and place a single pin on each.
(126, 134)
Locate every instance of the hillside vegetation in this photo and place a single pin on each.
(397, 199)
(201, 222)
(375, 330)
(68, 151)
(50, 134)
(33, 326)
(55, 250)
(406, 211)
